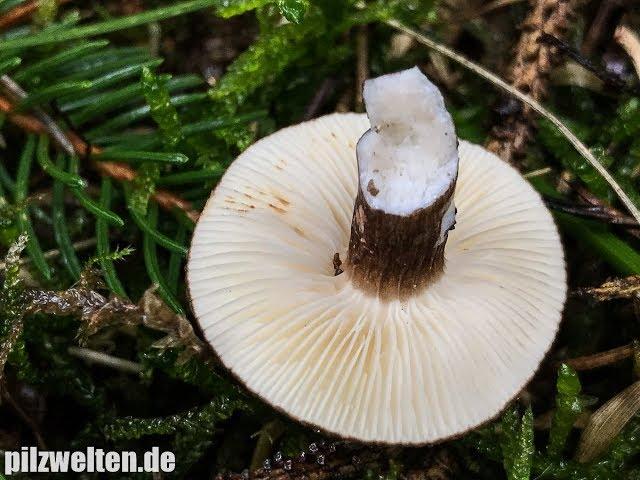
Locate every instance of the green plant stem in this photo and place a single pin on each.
(214, 123)
(52, 61)
(144, 111)
(102, 242)
(6, 179)
(9, 64)
(133, 156)
(52, 170)
(90, 205)
(153, 139)
(105, 102)
(24, 222)
(196, 176)
(148, 227)
(60, 229)
(175, 260)
(612, 249)
(106, 62)
(151, 262)
(107, 80)
(52, 92)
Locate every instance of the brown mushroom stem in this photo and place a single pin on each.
(407, 171)
(393, 256)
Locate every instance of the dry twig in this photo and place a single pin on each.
(600, 27)
(598, 212)
(362, 65)
(106, 360)
(601, 359)
(319, 98)
(26, 418)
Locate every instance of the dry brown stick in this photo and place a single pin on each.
(494, 5)
(594, 212)
(600, 27)
(30, 422)
(117, 170)
(362, 65)
(18, 14)
(17, 94)
(601, 359)
(326, 88)
(529, 72)
(484, 9)
(595, 201)
(22, 13)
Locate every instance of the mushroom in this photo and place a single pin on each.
(378, 321)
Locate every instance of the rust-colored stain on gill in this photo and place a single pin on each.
(277, 209)
(283, 201)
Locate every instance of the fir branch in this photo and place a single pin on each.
(116, 170)
(108, 26)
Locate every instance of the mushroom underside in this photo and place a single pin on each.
(263, 288)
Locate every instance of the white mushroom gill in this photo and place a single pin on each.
(311, 343)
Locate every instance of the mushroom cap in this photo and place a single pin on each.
(263, 289)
